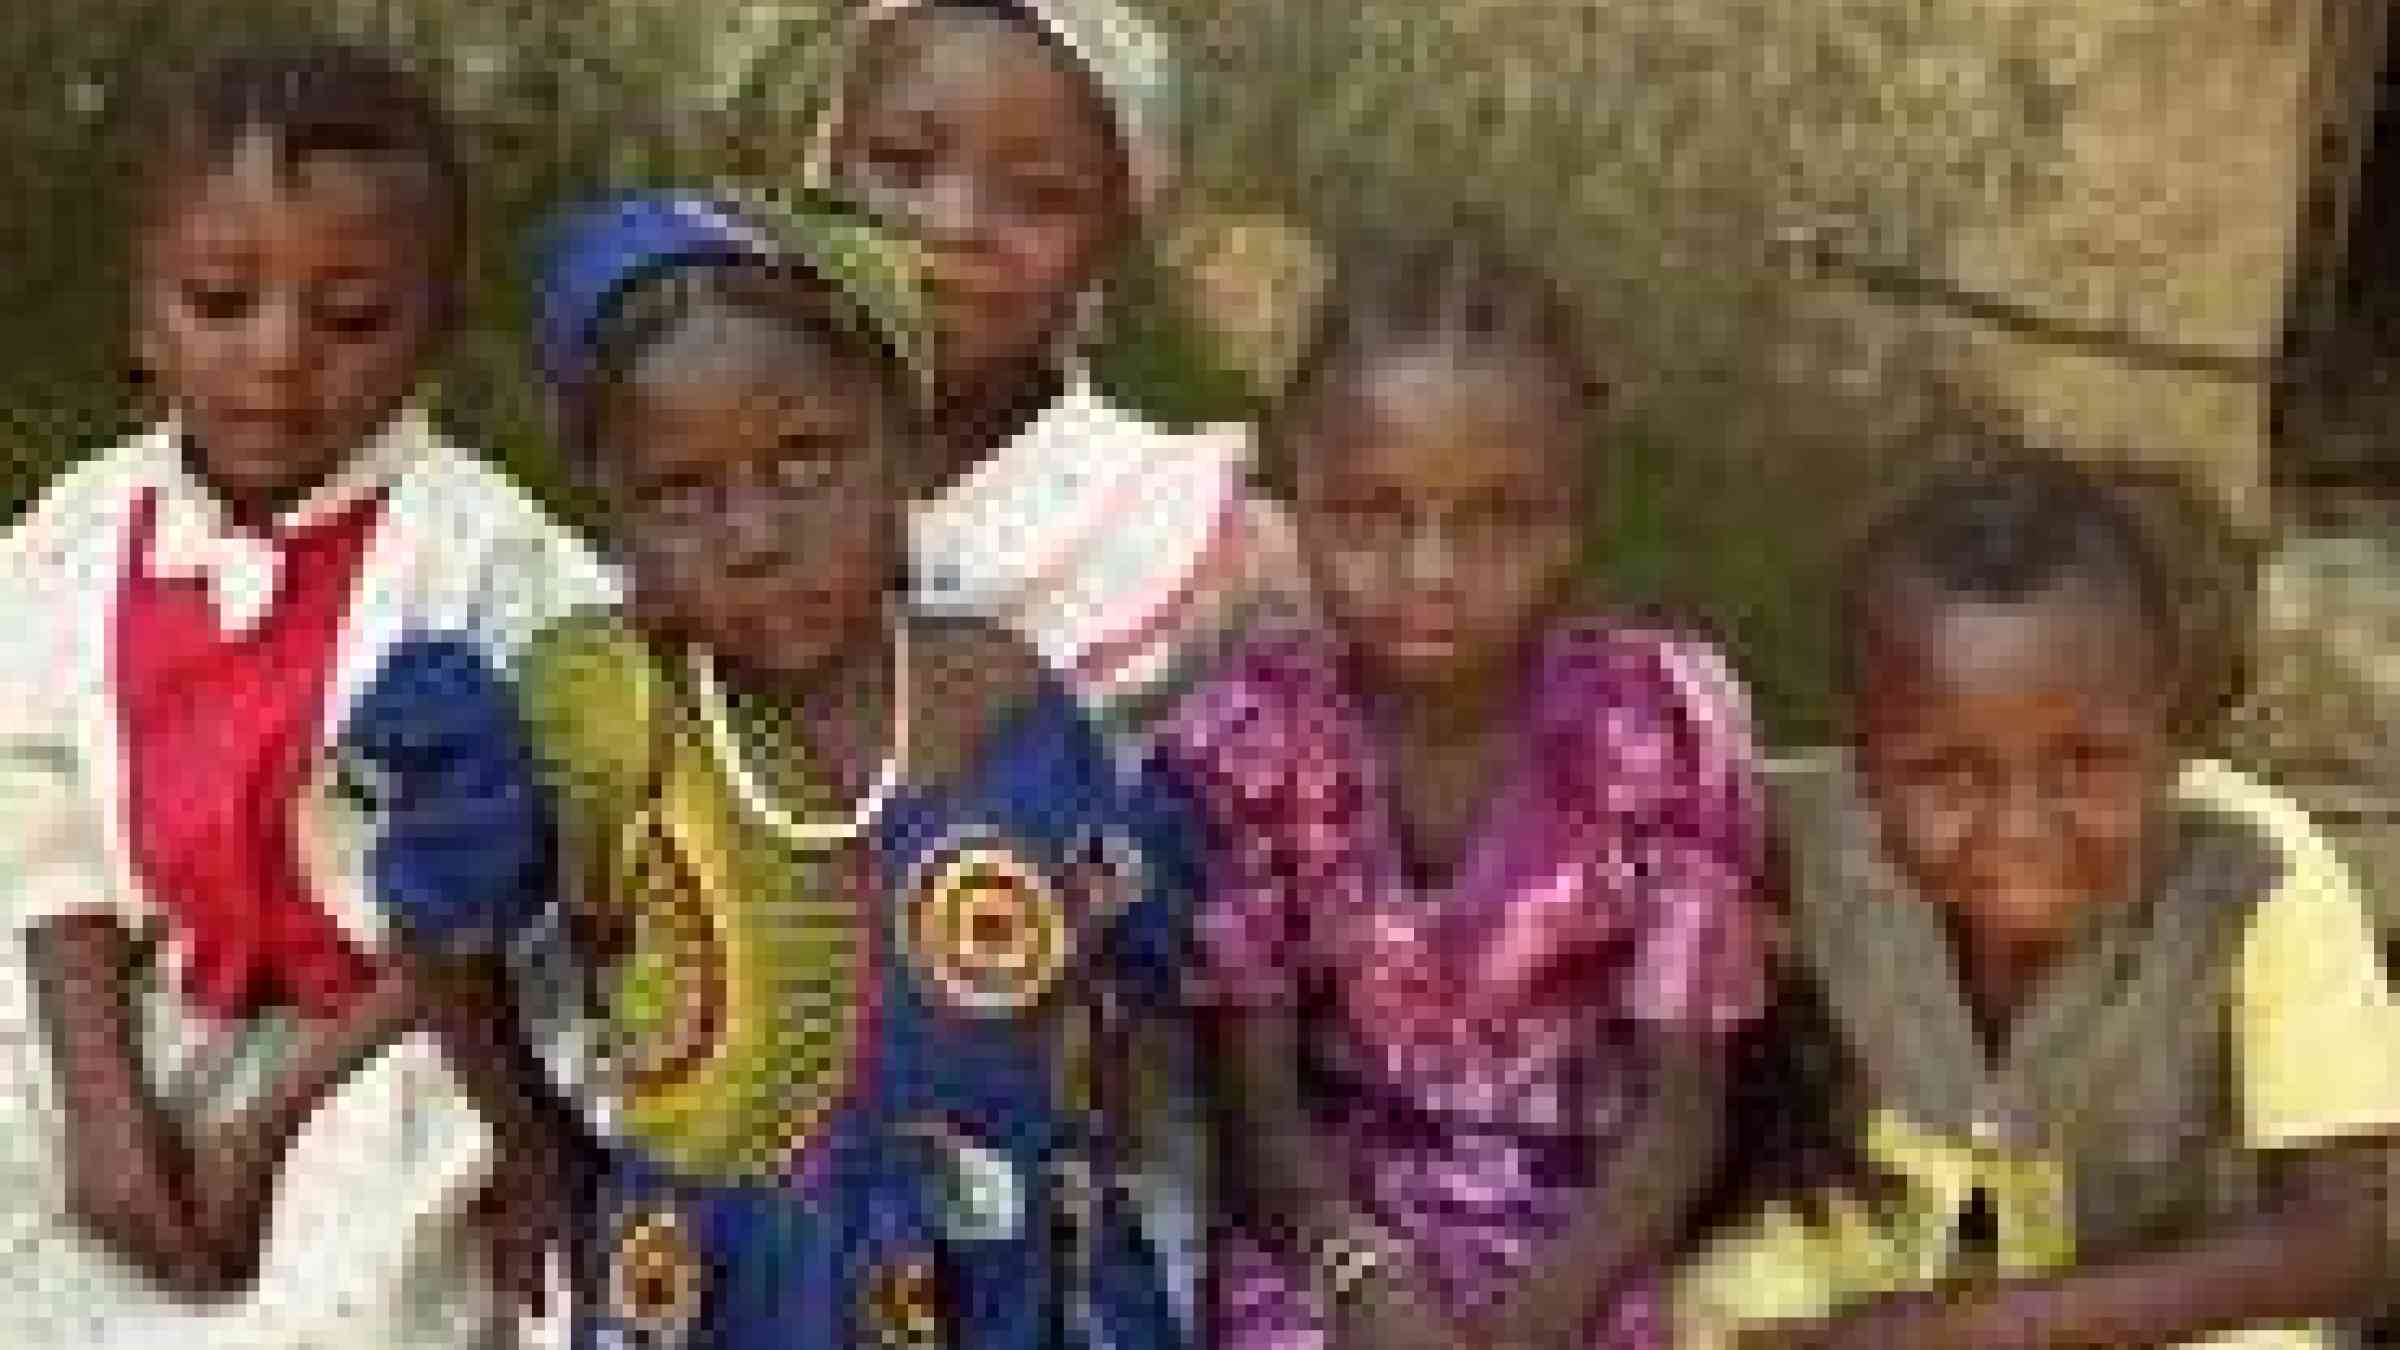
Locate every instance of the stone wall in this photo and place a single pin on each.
(2122, 166)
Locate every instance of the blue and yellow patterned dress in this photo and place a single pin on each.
(857, 1092)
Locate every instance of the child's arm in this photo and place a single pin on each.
(126, 1165)
(1289, 1194)
(2320, 1252)
(1637, 1206)
(468, 854)
(190, 1215)
(545, 1157)
(235, 1166)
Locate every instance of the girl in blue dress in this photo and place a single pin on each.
(867, 894)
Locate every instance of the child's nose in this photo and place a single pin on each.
(950, 211)
(2025, 812)
(753, 535)
(1432, 558)
(278, 339)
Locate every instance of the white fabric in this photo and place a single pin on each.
(366, 1246)
(1077, 530)
(196, 539)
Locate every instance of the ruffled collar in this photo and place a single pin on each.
(195, 536)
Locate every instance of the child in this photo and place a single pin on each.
(1026, 144)
(1478, 915)
(2112, 1039)
(1023, 145)
(227, 638)
(860, 879)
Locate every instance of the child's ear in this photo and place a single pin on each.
(146, 354)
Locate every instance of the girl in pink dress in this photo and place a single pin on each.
(1478, 920)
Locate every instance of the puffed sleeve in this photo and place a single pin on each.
(55, 855)
(589, 695)
(2310, 978)
(1680, 796)
(1246, 930)
(53, 852)
(463, 858)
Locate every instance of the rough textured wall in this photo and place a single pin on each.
(2121, 164)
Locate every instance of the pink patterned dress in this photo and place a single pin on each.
(1470, 1063)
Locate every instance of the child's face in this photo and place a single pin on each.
(2015, 753)
(1000, 156)
(285, 311)
(1437, 509)
(751, 498)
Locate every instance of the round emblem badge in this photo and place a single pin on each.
(986, 929)
(655, 1279)
(901, 1306)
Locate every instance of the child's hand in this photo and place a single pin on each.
(528, 1208)
(1390, 1316)
(237, 1164)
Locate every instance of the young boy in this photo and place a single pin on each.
(264, 784)
(2118, 1060)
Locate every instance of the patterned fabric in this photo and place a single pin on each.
(1471, 1064)
(738, 1014)
(950, 1161)
(593, 254)
(2176, 1041)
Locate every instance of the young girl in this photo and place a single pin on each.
(863, 881)
(1025, 143)
(2114, 1046)
(260, 774)
(1477, 916)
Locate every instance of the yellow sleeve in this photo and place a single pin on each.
(590, 692)
(2316, 1028)
(1772, 1270)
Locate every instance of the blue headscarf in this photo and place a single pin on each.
(594, 253)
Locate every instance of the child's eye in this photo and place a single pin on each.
(1505, 515)
(2096, 759)
(364, 320)
(1365, 514)
(1049, 195)
(678, 493)
(216, 303)
(807, 462)
(899, 163)
(1939, 770)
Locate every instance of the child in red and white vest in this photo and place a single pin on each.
(265, 796)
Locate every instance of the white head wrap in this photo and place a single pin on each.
(1127, 60)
